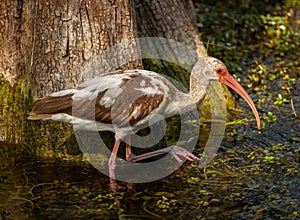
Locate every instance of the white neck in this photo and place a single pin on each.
(184, 102)
(197, 88)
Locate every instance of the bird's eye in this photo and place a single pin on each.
(219, 71)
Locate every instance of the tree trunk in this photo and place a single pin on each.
(73, 32)
(47, 46)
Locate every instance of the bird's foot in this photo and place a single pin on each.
(180, 151)
(130, 157)
(175, 151)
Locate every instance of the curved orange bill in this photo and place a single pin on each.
(228, 80)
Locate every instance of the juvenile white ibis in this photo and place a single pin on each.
(124, 101)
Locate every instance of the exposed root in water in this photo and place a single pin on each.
(35, 186)
(293, 108)
(29, 201)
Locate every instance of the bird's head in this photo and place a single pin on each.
(210, 68)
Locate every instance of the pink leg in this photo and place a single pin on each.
(174, 150)
(112, 160)
(129, 154)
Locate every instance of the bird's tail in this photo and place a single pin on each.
(46, 107)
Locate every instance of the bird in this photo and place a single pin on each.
(124, 101)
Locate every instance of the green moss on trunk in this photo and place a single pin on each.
(31, 137)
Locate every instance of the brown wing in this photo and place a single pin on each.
(82, 108)
(123, 114)
(129, 107)
(139, 109)
(139, 97)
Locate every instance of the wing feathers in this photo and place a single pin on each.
(124, 103)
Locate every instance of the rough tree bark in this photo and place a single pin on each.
(44, 44)
(71, 33)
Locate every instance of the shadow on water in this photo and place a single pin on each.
(254, 176)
